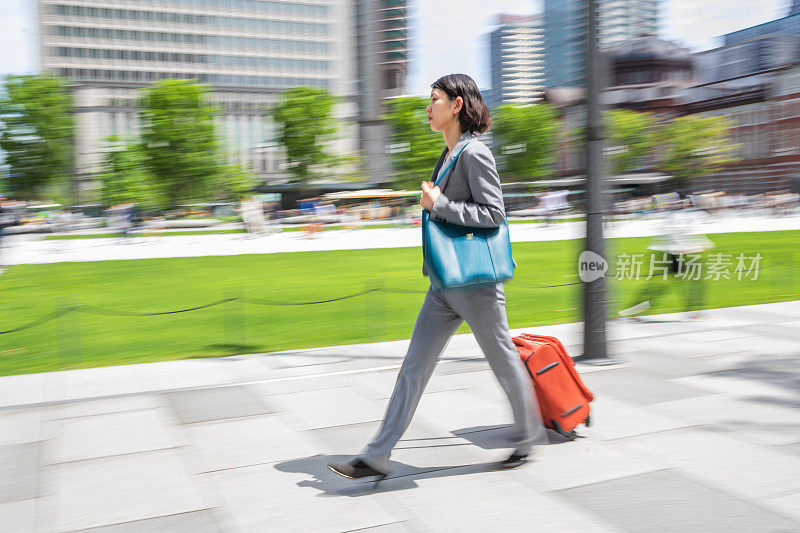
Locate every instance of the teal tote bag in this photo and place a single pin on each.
(459, 256)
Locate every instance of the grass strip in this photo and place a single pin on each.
(76, 340)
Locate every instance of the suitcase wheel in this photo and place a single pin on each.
(571, 435)
(588, 420)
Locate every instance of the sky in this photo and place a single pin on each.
(449, 35)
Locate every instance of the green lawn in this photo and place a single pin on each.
(78, 339)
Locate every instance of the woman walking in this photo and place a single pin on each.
(468, 194)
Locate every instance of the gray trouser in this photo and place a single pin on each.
(442, 313)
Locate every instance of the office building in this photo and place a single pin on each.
(381, 39)
(246, 51)
(565, 26)
(660, 77)
(743, 58)
(517, 60)
(788, 25)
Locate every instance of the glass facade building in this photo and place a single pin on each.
(565, 27)
(789, 25)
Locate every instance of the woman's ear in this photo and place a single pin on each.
(459, 105)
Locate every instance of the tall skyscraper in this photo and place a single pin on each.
(247, 51)
(381, 39)
(517, 60)
(565, 25)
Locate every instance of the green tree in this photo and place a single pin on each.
(233, 183)
(415, 147)
(304, 121)
(179, 141)
(36, 133)
(693, 146)
(631, 136)
(126, 177)
(525, 136)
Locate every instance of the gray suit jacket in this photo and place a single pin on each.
(471, 194)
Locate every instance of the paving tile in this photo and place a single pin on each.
(247, 441)
(203, 405)
(727, 463)
(791, 449)
(20, 426)
(613, 419)
(19, 471)
(373, 385)
(109, 434)
(332, 407)
(265, 498)
(111, 405)
(784, 331)
(757, 422)
(193, 522)
(757, 345)
(25, 389)
(478, 499)
(788, 506)
(395, 527)
(349, 439)
(126, 488)
(19, 515)
(771, 378)
(459, 409)
(481, 383)
(91, 382)
(668, 366)
(638, 387)
(303, 384)
(668, 500)
(576, 463)
(166, 375)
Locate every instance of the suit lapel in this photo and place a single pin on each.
(467, 137)
(439, 163)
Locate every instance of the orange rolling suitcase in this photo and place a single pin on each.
(563, 398)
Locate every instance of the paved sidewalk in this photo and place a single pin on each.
(698, 430)
(26, 249)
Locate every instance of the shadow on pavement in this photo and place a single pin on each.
(402, 476)
(499, 437)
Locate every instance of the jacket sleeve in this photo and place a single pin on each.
(486, 210)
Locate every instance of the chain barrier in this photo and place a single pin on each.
(43, 320)
(94, 310)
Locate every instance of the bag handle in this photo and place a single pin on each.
(443, 174)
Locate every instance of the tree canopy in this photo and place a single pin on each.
(303, 117)
(179, 140)
(37, 135)
(414, 147)
(524, 137)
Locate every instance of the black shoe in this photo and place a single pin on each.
(356, 469)
(514, 461)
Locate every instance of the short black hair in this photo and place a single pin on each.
(475, 116)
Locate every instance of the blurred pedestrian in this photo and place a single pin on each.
(252, 212)
(681, 247)
(469, 195)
